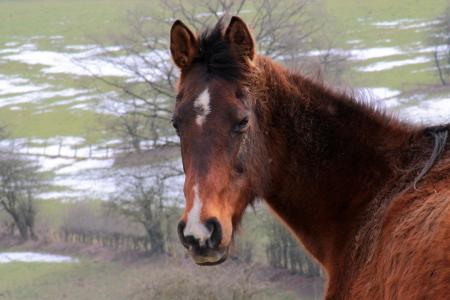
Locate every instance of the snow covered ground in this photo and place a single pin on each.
(97, 179)
(85, 172)
(87, 60)
(380, 66)
(406, 24)
(431, 111)
(74, 61)
(9, 257)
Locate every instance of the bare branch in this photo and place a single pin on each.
(282, 30)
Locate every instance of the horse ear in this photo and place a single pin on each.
(240, 38)
(183, 45)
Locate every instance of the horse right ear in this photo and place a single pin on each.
(183, 45)
(240, 38)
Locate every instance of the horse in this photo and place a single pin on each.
(368, 195)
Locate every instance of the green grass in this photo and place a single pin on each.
(147, 279)
(401, 78)
(25, 123)
(84, 280)
(74, 20)
(347, 12)
(17, 275)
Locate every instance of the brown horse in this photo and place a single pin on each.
(367, 195)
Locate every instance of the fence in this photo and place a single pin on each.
(114, 240)
(52, 148)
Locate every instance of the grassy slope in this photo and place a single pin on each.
(352, 21)
(37, 22)
(75, 20)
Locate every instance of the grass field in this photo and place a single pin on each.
(142, 279)
(368, 24)
(75, 21)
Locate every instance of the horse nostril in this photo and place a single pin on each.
(180, 230)
(216, 233)
(188, 241)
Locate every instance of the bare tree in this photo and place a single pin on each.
(284, 251)
(441, 42)
(19, 181)
(142, 198)
(284, 30)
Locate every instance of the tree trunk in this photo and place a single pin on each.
(156, 238)
(438, 66)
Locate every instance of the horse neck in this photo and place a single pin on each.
(329, 158)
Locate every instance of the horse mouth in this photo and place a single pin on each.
(211, 258)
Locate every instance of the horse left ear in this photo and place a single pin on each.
(240, 38)
(183, 45)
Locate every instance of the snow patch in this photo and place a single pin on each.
(68, 63)
(352, 42)
(360, 54)
(386, 65)
(8, 257)
(88, 63)
(430, 112)
(11, 44)
(16, 85)
(38, 95)
(49, 164)
(405, 24)
(379, 92)
(88, 164)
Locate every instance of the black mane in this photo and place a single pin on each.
(216, 54)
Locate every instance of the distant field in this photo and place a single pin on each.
(52, 26)
(377, 34)
(404, 25)
(74, 21)
(42, 94)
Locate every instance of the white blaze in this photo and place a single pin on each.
(194, 226)
(203, 107)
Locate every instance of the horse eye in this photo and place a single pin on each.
(241, 126)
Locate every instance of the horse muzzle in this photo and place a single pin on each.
(205, 251)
